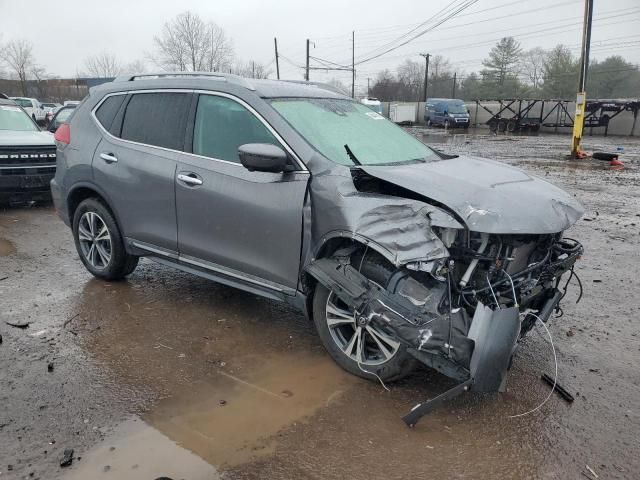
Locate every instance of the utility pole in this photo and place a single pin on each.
(275, 44)
(353, 64)
(426, 75)
(581, 99)
(453, 90)
(306, 75)
(368, 87)
(253, 69)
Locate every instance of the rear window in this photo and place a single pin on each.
(108, 110)
(157, 119)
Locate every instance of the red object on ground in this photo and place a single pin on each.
(616, 163)
(580, 154)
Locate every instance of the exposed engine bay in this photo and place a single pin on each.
(464, 313)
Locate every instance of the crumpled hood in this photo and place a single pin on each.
(13, 138)
(489, 196)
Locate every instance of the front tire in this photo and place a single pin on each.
(99, 242)
(368, 352)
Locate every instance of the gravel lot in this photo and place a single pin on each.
(169, 374)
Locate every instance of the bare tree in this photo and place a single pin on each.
(188, 43)
(411, 75)
(221, 50)
(18, 55)
(102, 65)
(137, 66)
(251, 69)
(532, 65)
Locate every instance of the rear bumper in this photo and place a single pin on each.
(59, 204)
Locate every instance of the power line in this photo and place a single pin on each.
(452, 14)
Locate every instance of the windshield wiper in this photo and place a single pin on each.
(353, 158)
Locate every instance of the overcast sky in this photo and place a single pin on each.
(65, 32)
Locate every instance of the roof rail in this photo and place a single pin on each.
(219, 76)
(324, 86)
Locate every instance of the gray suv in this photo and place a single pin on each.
(400, 255)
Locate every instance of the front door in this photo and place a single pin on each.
(247, 222)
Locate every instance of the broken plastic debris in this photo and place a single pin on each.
(67, 457)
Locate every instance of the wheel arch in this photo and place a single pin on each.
(81, 192)
(330, 244)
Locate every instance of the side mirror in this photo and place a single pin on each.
(263, 157)
(53, 126)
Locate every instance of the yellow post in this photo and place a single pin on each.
(578, 123)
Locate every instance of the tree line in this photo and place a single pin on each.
(510, 72)
(186, 43)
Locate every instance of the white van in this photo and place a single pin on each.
(373, 103)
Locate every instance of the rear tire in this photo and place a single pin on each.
(397, 366)
(99, 242)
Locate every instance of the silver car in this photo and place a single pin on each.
(399, 254)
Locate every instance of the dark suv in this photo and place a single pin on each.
(27, 156)
(400, 254)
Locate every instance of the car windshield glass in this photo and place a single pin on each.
(459, 108)
(331, 124)
(13, 118)
(23, 102)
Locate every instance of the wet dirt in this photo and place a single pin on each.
(6, 247)
(222, 378)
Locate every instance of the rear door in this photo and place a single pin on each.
(242, 221)
(135, 162)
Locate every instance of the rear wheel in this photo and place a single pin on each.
(99, 243)
(512, 125)
(362, 348)
(502, 126)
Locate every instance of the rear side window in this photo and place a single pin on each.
(157, 119)
(222, 125)
(108, 110)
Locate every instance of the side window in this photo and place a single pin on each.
(108, 110)
(222, 125)
(157, 119)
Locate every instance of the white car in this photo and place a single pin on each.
(33, 107)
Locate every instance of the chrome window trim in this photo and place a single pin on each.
(302, 167)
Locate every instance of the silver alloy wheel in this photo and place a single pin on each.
(95, 240)
(361, 341)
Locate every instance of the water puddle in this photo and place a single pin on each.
(6, 247)
(136, 451)
(231, 419)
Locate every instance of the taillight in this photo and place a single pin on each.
(63, 134)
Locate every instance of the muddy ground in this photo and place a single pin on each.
(169, 374)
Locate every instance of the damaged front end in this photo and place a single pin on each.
(463, 310)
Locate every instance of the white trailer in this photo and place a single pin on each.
(402, 113)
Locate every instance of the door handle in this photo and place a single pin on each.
(189, 179)
(108, 157)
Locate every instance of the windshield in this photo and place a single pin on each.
(23, 102)
(330, 124)
(13, 118)
(457, 108)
